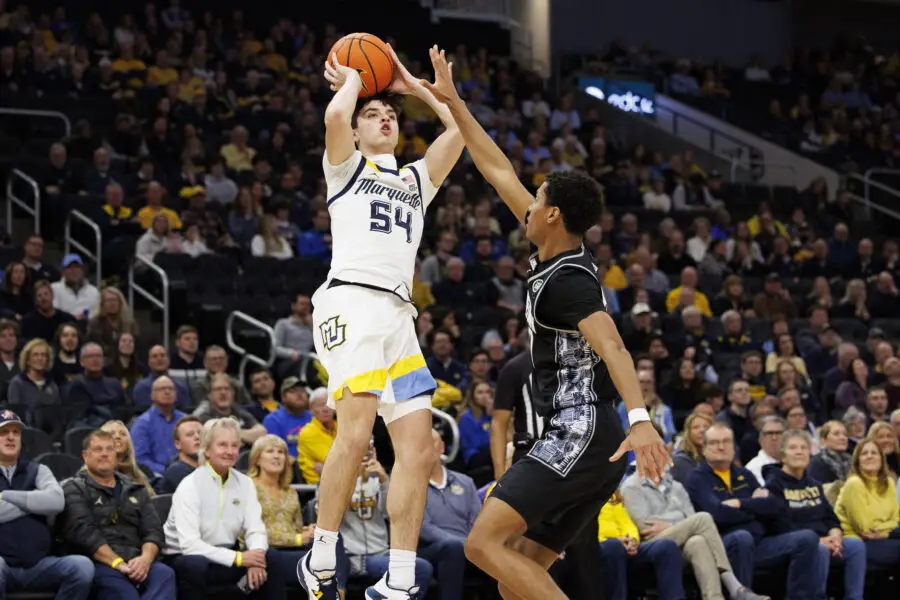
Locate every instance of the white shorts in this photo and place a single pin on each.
(366, 341)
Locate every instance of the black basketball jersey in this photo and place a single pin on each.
(567, 372)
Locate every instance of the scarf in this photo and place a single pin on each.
(838, 462)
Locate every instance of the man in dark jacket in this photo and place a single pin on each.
(29, 495)
(744, 512)
(112, 520)
(803, 507)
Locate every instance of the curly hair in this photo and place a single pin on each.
(395, 101)
(578, 198)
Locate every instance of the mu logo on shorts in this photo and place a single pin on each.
(334, 333)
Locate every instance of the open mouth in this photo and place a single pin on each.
(386, 129)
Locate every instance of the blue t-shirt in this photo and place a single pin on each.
(286, 426)
(474, 435)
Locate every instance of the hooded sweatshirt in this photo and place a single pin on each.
(803, 501)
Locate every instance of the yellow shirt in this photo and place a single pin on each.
(421, 295)
(615, 278)
(753, 226)
(700, 301)
(162, 77)
(276, 62)
(416, 109)
(417, 142)
(861, 508)
(725, 476)
(313, 445)
(187, 90)
(445, 395)
(237, 159)
(146, 214)
(135, 70)
(123, 213)
(614, 522)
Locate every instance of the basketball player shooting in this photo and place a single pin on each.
(363, 314)
(544, 500)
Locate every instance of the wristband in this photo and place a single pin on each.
(299, 539)
(239, 560)
(115, 564)
(637, 415)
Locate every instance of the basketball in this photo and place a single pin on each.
(369, 56)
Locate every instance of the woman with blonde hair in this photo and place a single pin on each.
(882, 433)
(112, 318)
(833, 462)
(268, 242)
(475, 425)
(126, 463)
(853, 304)
(33, 386)
(688, 457)
(868, 507)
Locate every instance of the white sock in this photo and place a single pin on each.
(731, 583)
(402, 569)
(323, 553)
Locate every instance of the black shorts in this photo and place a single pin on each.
(559, 487)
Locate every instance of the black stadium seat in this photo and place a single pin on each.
(162, 503)
(35, 443)
(74, 440)
(62, 466)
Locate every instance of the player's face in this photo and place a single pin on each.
(376, 128)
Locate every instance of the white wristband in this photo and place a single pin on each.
(637, 415)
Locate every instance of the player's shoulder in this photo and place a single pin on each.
(345, 167)
(573, 275)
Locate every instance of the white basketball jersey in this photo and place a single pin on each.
(377, 218)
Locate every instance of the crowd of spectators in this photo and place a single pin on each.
(784, 321)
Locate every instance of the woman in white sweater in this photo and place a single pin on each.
(211, 509)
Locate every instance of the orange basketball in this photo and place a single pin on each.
(370, 57)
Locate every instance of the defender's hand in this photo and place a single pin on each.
(442, 88)
(649, 451)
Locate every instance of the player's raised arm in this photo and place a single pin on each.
(488, 157)
(649, 449)
(346, 84)
(443, 153)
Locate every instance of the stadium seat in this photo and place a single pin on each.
(243, 461)
(62, 466)
(74, 440)
(162, 503)
(35, 443)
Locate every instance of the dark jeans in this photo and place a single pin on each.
(883, 553)
(196, 573)
(798, 550)
(664, 556)
(69, 576)
(449, 560)
(110, 584)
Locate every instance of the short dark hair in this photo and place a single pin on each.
(429, 339)
(97, 434)
(184, 329)
(578, 198)
(395, 101)
(183, 421)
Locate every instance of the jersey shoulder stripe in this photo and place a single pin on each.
(350, 182)
(376, 167)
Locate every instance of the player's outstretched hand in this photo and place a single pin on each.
(337, 74)
(649, 451)
(404, 82)
(442, 88)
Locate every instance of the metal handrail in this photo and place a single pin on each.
(448, 457)
(713, 132)
(304, 488)
(47, 114)
(161, 304)
(11, 198)
(868, 182)
(246, 355)
(71, 242)
(870, 206)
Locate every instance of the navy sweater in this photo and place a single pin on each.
(707, 491)
(803, 503)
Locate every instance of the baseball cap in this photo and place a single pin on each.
(71, 259)
(641, 308)
(290, 383)
(773, 277)
(877, 333)
(7, 417)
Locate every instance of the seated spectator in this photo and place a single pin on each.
(16, 292)
(442, 364)
(112, 319)
(221, 404)
(832, 463)
(656, 197)
(33, 261)
(854, 389)
(796, 418)
(743, 512)
(268, 242)
(212, 509)
(316, 438)
(33, 387)
(714, 263)
(153, 431)
(73, 294)
(293, 414)
(365, 530)
(45, 319)
(65, 363)
(734, 339)
(127, 465)
(683, 387)
(97, 394)
(29, 497)
(620, 544)
(731, 297)
(749, 446)
(294, 333)
(450, 511)
(237, 153)
(262, 394)
(688, 281)
(146, 217)
(868, 506)
(158, 363)
(660, 413)
(475, 425)
(186, 359)
(853, 304)
(215, 362)
(124, 366)
(774, 300)
(803, 506)
(122, 538)
(785, 351)
(157, 238)
(688, 457)
(243, 219)
(883, 434)
(9, 363)
(770, 431)
(187, 443)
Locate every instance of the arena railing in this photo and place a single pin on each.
(41, 114)
(11, 198)
(70, 242)
(246, 355)
(160, 303)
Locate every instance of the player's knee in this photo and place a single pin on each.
(477, 548)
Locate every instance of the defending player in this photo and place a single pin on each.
(363, 315)
(544, 501)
